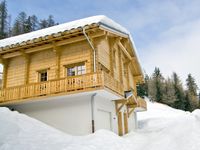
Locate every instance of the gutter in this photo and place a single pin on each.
(113, 30)
(92, 111)
(91, 45)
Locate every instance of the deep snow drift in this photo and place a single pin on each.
(160, 128)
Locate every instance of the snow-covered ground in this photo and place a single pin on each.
(160, 128)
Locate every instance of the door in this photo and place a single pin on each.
(103, 120)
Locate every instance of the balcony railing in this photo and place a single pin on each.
(66, 85)
(138, 103)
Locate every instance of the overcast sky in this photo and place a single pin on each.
(166, 32)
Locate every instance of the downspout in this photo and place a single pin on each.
(91, 45)
(136, 120)
(92, 111)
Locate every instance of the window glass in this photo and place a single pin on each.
(43, 76)
(71, 71)
(76, 69)
(81, 70)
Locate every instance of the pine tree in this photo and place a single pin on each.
(43, 24)
(146, 79)
(34, 23)
(180, 102)
(187, 99)
(3, 19)
(20, 24)
(169, 96)
(158, 83)
(16, 30)
(191, 85)
(192, 92)
(28, 25)
(50, 21)
(156, 86)
(142, 88)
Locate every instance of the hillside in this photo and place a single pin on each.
(161, 127)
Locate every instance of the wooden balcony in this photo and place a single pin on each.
(68, 85)
(138, 103)
(142, 103)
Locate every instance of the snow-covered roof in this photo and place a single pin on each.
(101, 20)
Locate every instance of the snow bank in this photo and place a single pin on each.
(20, 132)
(160, 128)
(165, 128)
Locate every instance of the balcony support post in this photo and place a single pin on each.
(120, 66)
(27, 66)
(111, 44)
(57, 52)
(5, 71)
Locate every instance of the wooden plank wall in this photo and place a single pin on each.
(119, 65)
(16, 70)
(46, 59)
(116, 67)
(74, 53)
(42, 60)
(104, 53)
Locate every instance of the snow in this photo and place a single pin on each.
(100, 19)
(160, 128)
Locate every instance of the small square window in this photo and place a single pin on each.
(43, 76)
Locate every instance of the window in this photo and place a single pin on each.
(80, 69)
(76, 69)
(43, 76)
(71, 71)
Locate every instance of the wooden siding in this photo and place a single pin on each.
(42, 60)
(46, 59)
(16, 70)
(103, 51)
(75, 53)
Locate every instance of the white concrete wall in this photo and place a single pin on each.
(71, 115)
(131, 122)
(106, 106)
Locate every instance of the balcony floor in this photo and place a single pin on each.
(103, 92)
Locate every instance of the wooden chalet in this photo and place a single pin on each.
(93, 56)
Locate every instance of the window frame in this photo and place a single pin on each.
(76, 66)
(40, 72)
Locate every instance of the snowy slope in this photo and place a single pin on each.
(160, 128)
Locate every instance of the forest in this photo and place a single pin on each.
(23, 23)
(170, 90)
